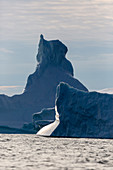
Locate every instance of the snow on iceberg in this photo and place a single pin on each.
(52, 68)
(83, 114)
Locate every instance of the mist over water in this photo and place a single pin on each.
(33, 152)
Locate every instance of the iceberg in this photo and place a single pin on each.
(43, 118)
(81, 114)
(49, 129)
(52, 68)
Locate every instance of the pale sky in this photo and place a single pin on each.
(85, 27)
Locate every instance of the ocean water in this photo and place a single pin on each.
(31, 152)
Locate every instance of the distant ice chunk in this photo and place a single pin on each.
(107, 90)
(43, 118)
(49, 129)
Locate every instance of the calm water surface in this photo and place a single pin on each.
(30, 152)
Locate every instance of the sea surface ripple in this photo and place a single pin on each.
(30, 152)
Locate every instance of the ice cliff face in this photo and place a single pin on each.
(83, 114)
(40, 90)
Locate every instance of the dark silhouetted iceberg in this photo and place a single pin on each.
(40, 90)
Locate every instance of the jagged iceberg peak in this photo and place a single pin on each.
(52, 53)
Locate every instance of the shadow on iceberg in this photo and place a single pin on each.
(81, 114)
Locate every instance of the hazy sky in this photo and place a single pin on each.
(85, 26)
